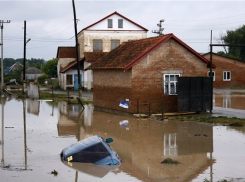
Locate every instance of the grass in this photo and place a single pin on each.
(223, 180)
(170, 161)
(61, 97)
(236, 122)
(49, 96)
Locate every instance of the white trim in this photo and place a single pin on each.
(71, 80)
(168, 92)
(226, 76)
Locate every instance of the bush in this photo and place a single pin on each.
(42, 78)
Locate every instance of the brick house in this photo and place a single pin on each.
(144, 72)
(228, 73)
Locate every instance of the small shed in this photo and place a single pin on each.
(32, 73)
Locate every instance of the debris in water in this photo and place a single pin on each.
(54, 172)
(201, 135)
(170, 161)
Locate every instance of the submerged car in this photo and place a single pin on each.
(93, 149)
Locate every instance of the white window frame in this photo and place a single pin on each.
(213, 75)
(113, 43)
(120, 25)
(168, 83)
(109, 23)
(225, 75)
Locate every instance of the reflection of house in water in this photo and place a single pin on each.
(230, 100)
(33, 106)
(72, 120)
(146, 143)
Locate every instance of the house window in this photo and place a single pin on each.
(170, 84)
(69, 80)
(226, 75)
(110, 23)
(97, 45)
(213, 74)
(120, 23)
(114, 43)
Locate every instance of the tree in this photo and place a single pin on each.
(50, 67)
(235, 37)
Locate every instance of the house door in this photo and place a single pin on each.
(76, 81)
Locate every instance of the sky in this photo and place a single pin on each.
(49, 24)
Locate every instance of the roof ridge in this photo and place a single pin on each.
(111, 15)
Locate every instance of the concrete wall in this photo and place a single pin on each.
(33, 90)
(62, 62)
(144, 82)
(62, 79)
(236, 68)
(87, 37)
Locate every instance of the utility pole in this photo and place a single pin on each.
(1, 24)
(24, 59)
(77, 56)
(159, 32)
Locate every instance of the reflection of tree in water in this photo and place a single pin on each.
(238, 129)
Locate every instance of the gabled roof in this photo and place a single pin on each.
(66, 52)
(15, 65)
(111, 15)
(234, 59)
(129, 53)
(89, 57)
(33, 70)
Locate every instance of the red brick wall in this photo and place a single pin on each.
(236, 68)
(110, 87)
(147, 75)
(144, 82)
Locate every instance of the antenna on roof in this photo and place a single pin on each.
(159, 32)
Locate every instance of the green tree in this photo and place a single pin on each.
(236, 36)
(50, 67)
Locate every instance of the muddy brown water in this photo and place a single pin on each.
(32, 139)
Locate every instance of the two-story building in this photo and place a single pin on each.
(102, 36)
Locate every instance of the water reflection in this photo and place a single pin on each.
(235, 101)
(142, 144)
(33, 106)
(32, 143)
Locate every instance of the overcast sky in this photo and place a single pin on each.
(50, 23)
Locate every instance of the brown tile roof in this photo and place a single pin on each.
(129, 53)
(66, 52)
(89, 57)
(92, 57)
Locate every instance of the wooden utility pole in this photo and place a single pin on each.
(77, 55)
(1, 24)
(24, 59)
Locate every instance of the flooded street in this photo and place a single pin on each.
(33, 133)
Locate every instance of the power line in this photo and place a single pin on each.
(211, 19)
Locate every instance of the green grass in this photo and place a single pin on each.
(236, 122)
(170, 161)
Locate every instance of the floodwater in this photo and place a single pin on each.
(33, 133)
(231, 104)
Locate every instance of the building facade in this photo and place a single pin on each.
(228, 73)
(102, 36)
(144, 73)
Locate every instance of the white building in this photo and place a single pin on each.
(103, 36)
